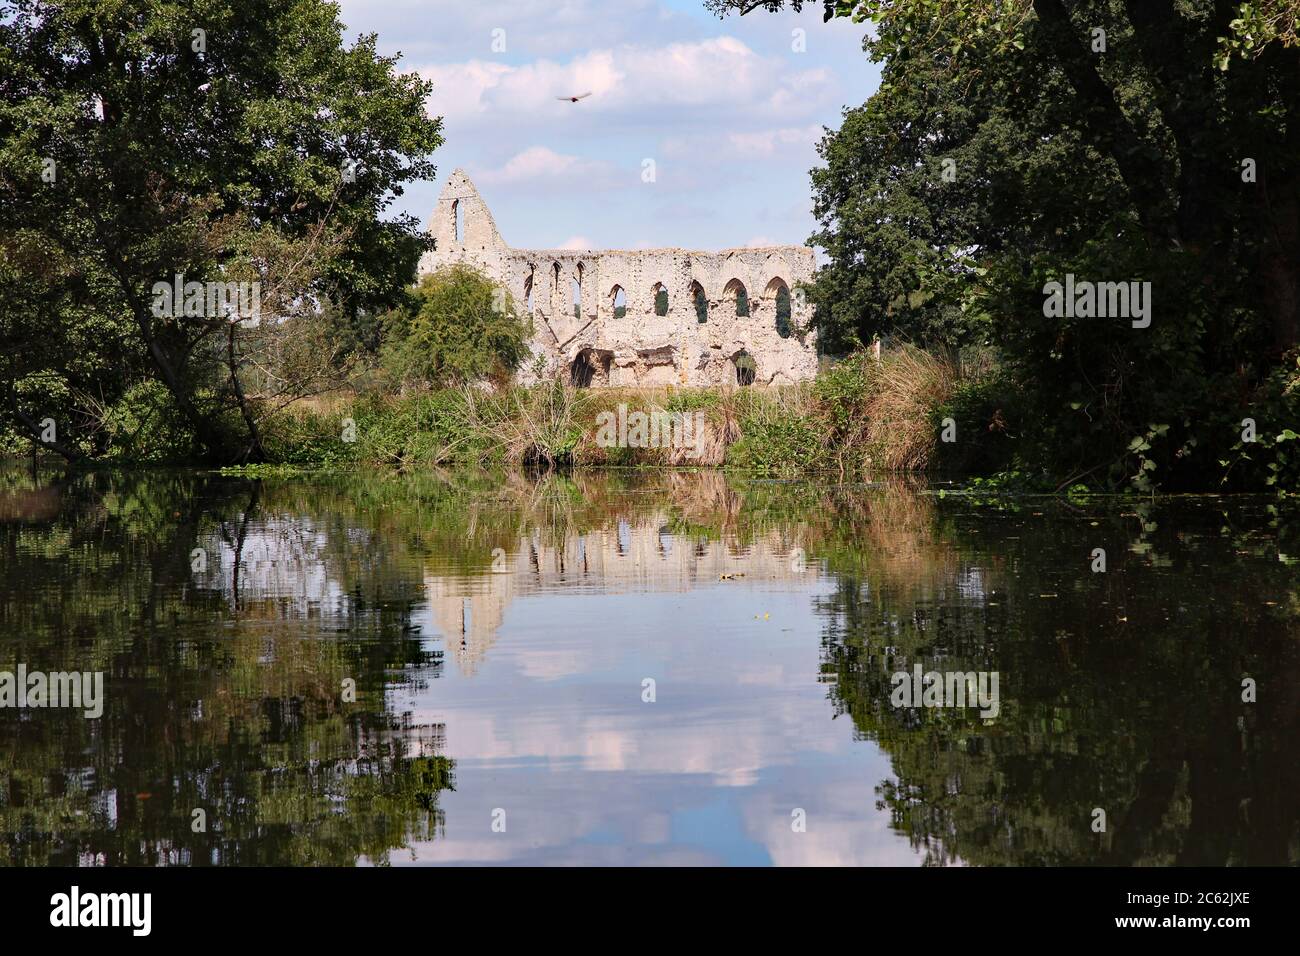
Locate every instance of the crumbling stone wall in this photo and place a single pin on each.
(585, 329)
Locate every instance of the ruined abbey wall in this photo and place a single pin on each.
(616, 336)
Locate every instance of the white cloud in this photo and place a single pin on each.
(576, 242)
(541, 164)
(767, 142)
(720, 73)
(453, 28)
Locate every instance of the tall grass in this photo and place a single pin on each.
(538, 426)
(860, 416)
(910, 385)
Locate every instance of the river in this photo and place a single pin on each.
(642, 668)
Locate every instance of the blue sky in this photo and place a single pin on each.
(728, 110)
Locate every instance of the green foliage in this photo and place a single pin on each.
(661, 302)
(300, 437)
(458, 328)
(221, 160)
(784, 327)
(1000, 154)
(779, 439)
(423, 427)
(843, 390)
(145, 426)
(691, 400)
(1272, 460)
(989, 415)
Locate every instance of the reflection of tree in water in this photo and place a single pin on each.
(1121, 691)
(1118, 690)
(244, 720)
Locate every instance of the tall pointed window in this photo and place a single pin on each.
(661, 298)
(701, 303)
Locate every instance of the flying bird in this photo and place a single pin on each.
(573, 99)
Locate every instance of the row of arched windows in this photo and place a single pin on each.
(733, 292)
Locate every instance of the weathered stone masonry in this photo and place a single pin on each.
(617, 336)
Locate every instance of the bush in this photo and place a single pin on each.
(144, 426)
(1272, 460)
(457, 328)
(778, 436)
(307, 436)
(986, 412)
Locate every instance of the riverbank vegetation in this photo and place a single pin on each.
(860, 417)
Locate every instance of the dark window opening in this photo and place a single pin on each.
(784, 327)
(701, 303)
(736, 290)
(589, 366)
(746, 368)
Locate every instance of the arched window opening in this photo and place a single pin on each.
(661, 298)
(735, 290)
(780, 293)
(458, 220)
(618, 301)
(701, 303)
(528, 292)
(575, 292)
(746, 368)
(783, 324)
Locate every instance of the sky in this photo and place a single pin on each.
(729, 112)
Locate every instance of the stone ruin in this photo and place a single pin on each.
(640, 317)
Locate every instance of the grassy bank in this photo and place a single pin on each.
(910, 411)
(860, 416)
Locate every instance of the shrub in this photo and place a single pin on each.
(457, 328)
(986, 411)
(778, 436)
(144, 425)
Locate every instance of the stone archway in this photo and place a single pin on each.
(746, 368)
(590, 367)
(738, 296)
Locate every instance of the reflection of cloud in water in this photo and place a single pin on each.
(552, 728)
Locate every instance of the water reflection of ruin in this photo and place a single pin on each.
(673, 532)
(624, 557)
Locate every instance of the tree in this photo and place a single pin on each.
(457, 329)
(1011, 144)
(139, 143)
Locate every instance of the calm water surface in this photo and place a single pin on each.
(502, 635)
